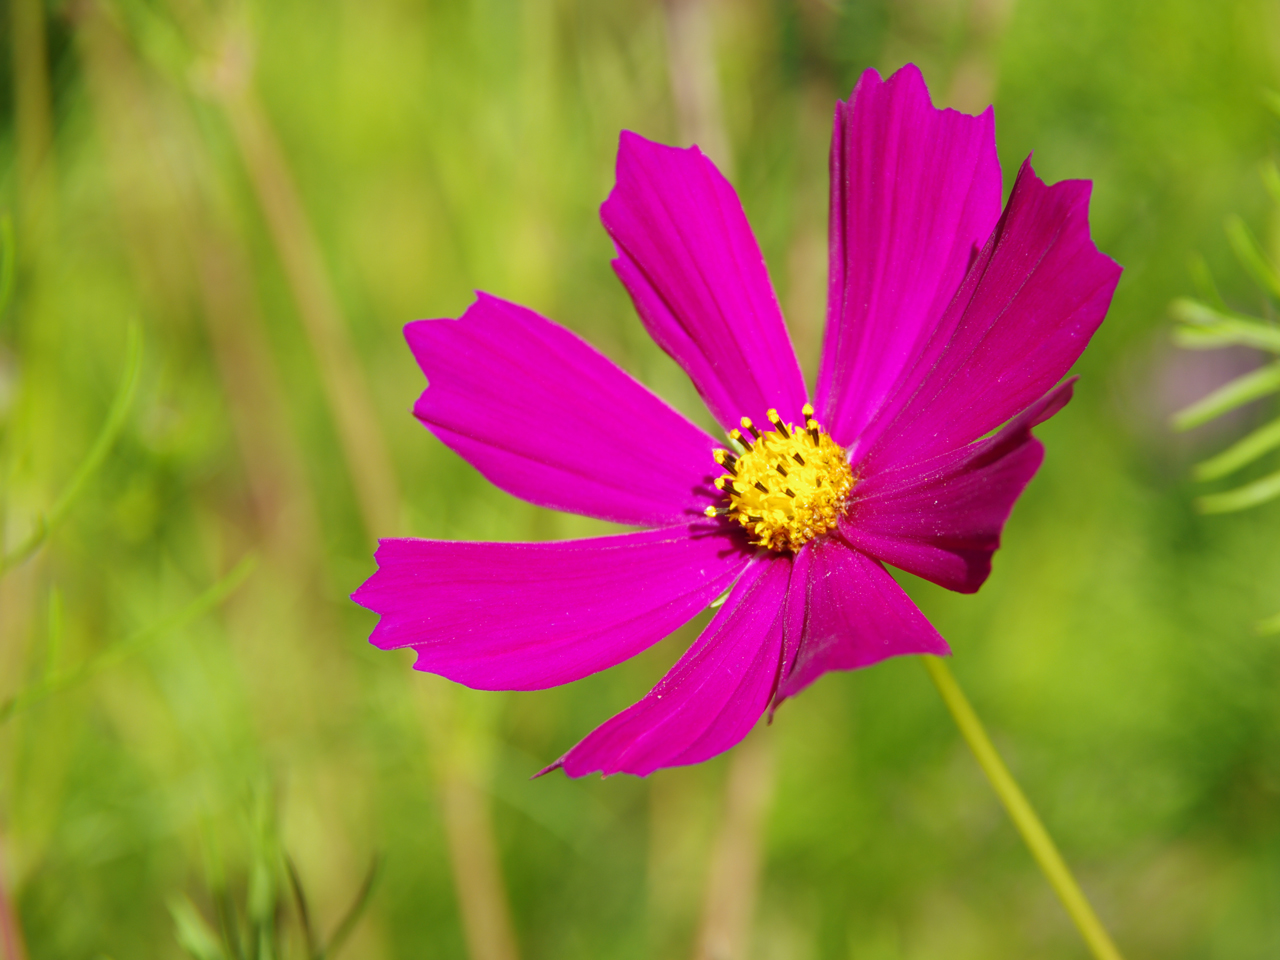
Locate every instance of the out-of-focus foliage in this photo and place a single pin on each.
(271, 190)
(1210, 324)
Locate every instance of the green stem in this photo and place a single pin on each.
(97, 454)
(53, 683)
(1020, 811)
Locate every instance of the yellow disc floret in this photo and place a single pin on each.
(788, 486)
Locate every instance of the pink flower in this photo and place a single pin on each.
(947, 320)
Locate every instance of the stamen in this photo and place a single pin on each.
(778, 425)
(787, 486)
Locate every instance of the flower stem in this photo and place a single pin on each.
(1020, 811)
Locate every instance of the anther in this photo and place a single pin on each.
(776, 420)
(807, 411)
(726, 460)
(816, 484)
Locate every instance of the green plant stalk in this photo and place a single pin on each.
(57, 682)
(1207, 328)
(1243, 389)
(1021, 812)
(93, 460)
(1251, 256)
(1250, 495)
(1245, 451)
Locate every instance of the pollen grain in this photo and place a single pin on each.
(787, 486)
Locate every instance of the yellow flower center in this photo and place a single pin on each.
(788, 485)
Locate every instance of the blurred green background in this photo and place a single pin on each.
(270, 191)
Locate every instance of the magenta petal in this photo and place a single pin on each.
(941, 520)
(525, 616)
(711, 698)
(915, 192)
(1036, 294)
(856, 615)
(687, 255)
(545, 416)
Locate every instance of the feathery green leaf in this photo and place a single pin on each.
(1250, 495)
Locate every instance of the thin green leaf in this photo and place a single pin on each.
(114, 654)
(193, 934)
(1272, 100)
(8, 259)
(314, 951)
(1269, 624)
(229, 922)
(1271, 179)
(97, 454)
(1202, 280)
(53, 644)
(1251, 256)
(1241, 498)
(354, 912)
(1263, 440)
(1192, 339)
(1208, 327)
(1243, 389)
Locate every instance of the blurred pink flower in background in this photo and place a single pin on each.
(948, 319)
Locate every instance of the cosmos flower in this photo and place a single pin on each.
(950, 325)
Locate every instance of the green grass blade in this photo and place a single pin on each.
(1272, 100)
(1189, 338)
(1208, 328)
(1268, 625)
(8, 259)
(304, 911)
(1271, 179)
(354, 912)
(1263, 440)
(1241, 498)
(113, 655)
(193, 934)
(93, 460)
(1251, 256)
(53, 643)
(1202, 280)
(1243, 389)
